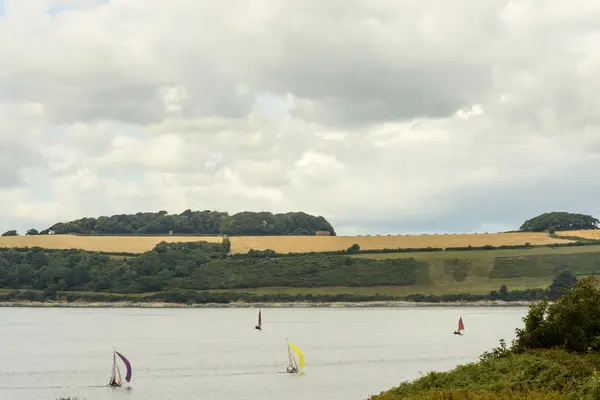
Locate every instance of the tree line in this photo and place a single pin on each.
(559, 221)
(192, 266)
(194, 223)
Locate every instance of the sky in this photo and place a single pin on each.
(385, 117)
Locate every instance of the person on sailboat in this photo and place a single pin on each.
(291, 370)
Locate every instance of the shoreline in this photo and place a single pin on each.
(369, 304)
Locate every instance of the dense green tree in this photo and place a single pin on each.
(561, 285)
(571, 322)
(198, 222)
(32, 232)
(193, 266)
(11, 233)
(355, 248)
(559, 221)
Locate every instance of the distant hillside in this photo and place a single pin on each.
(305, 244)
(281, 244)
(197, 223)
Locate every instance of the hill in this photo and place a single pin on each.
(280, 244)
(201, 271)
(197, 223)
(305, 244)
(106, 244)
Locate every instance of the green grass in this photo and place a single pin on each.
(473, 287)
(481, 262)
(536, 375)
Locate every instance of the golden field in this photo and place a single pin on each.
(109, 244)
(588, 234)
(303, 244)
(280, 244)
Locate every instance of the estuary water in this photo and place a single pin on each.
(199, 353)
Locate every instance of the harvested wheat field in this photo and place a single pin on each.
(588, 234)
(303, 244)
(109, 244)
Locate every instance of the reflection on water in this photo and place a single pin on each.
(217, 354)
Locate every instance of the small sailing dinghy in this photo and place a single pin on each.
(259, 326)
(115, 378)
(294, 366)
(461, 327)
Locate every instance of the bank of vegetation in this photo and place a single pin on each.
(555, 355)
(206, 271)
(196, 223)
(202, 272)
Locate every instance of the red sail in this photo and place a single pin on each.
(461, 326)
(259, 318)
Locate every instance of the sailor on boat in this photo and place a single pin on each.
(291, 370)
(461, 327)
(259, 326)
(114, 383)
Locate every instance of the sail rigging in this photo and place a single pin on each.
(115, 377)
(299, 353)
(259, 326)
(294, 366)
(127, 365)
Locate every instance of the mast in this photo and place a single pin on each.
(114, 366)
(292, 360)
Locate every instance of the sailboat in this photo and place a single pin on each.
(294, 366)
(461, 327)
(115, 377)
(259, 326)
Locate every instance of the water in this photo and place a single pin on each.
(217, 354)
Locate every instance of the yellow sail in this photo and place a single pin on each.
(300, 355)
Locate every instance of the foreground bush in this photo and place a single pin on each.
(554, 356)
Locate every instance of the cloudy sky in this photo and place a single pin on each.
(382, 116)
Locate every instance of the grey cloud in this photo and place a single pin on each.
(340, 108)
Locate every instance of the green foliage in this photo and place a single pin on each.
(457, 268)
(561, 285)
(32, 232)
(559, 221)
(197, 223)
(354, 249)
(192, 266)
(11, 233)
(554, 356)
(545, 265)
(513, 295)
(572, 322)
(540, 374)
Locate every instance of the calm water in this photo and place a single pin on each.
(217, 354)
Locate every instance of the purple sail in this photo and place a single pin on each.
(127, 364)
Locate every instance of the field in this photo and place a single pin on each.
(473, 287)
(109, 244)
(281, 244)
(303, 244)
(588, 234)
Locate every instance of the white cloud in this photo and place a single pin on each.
(382, 116)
